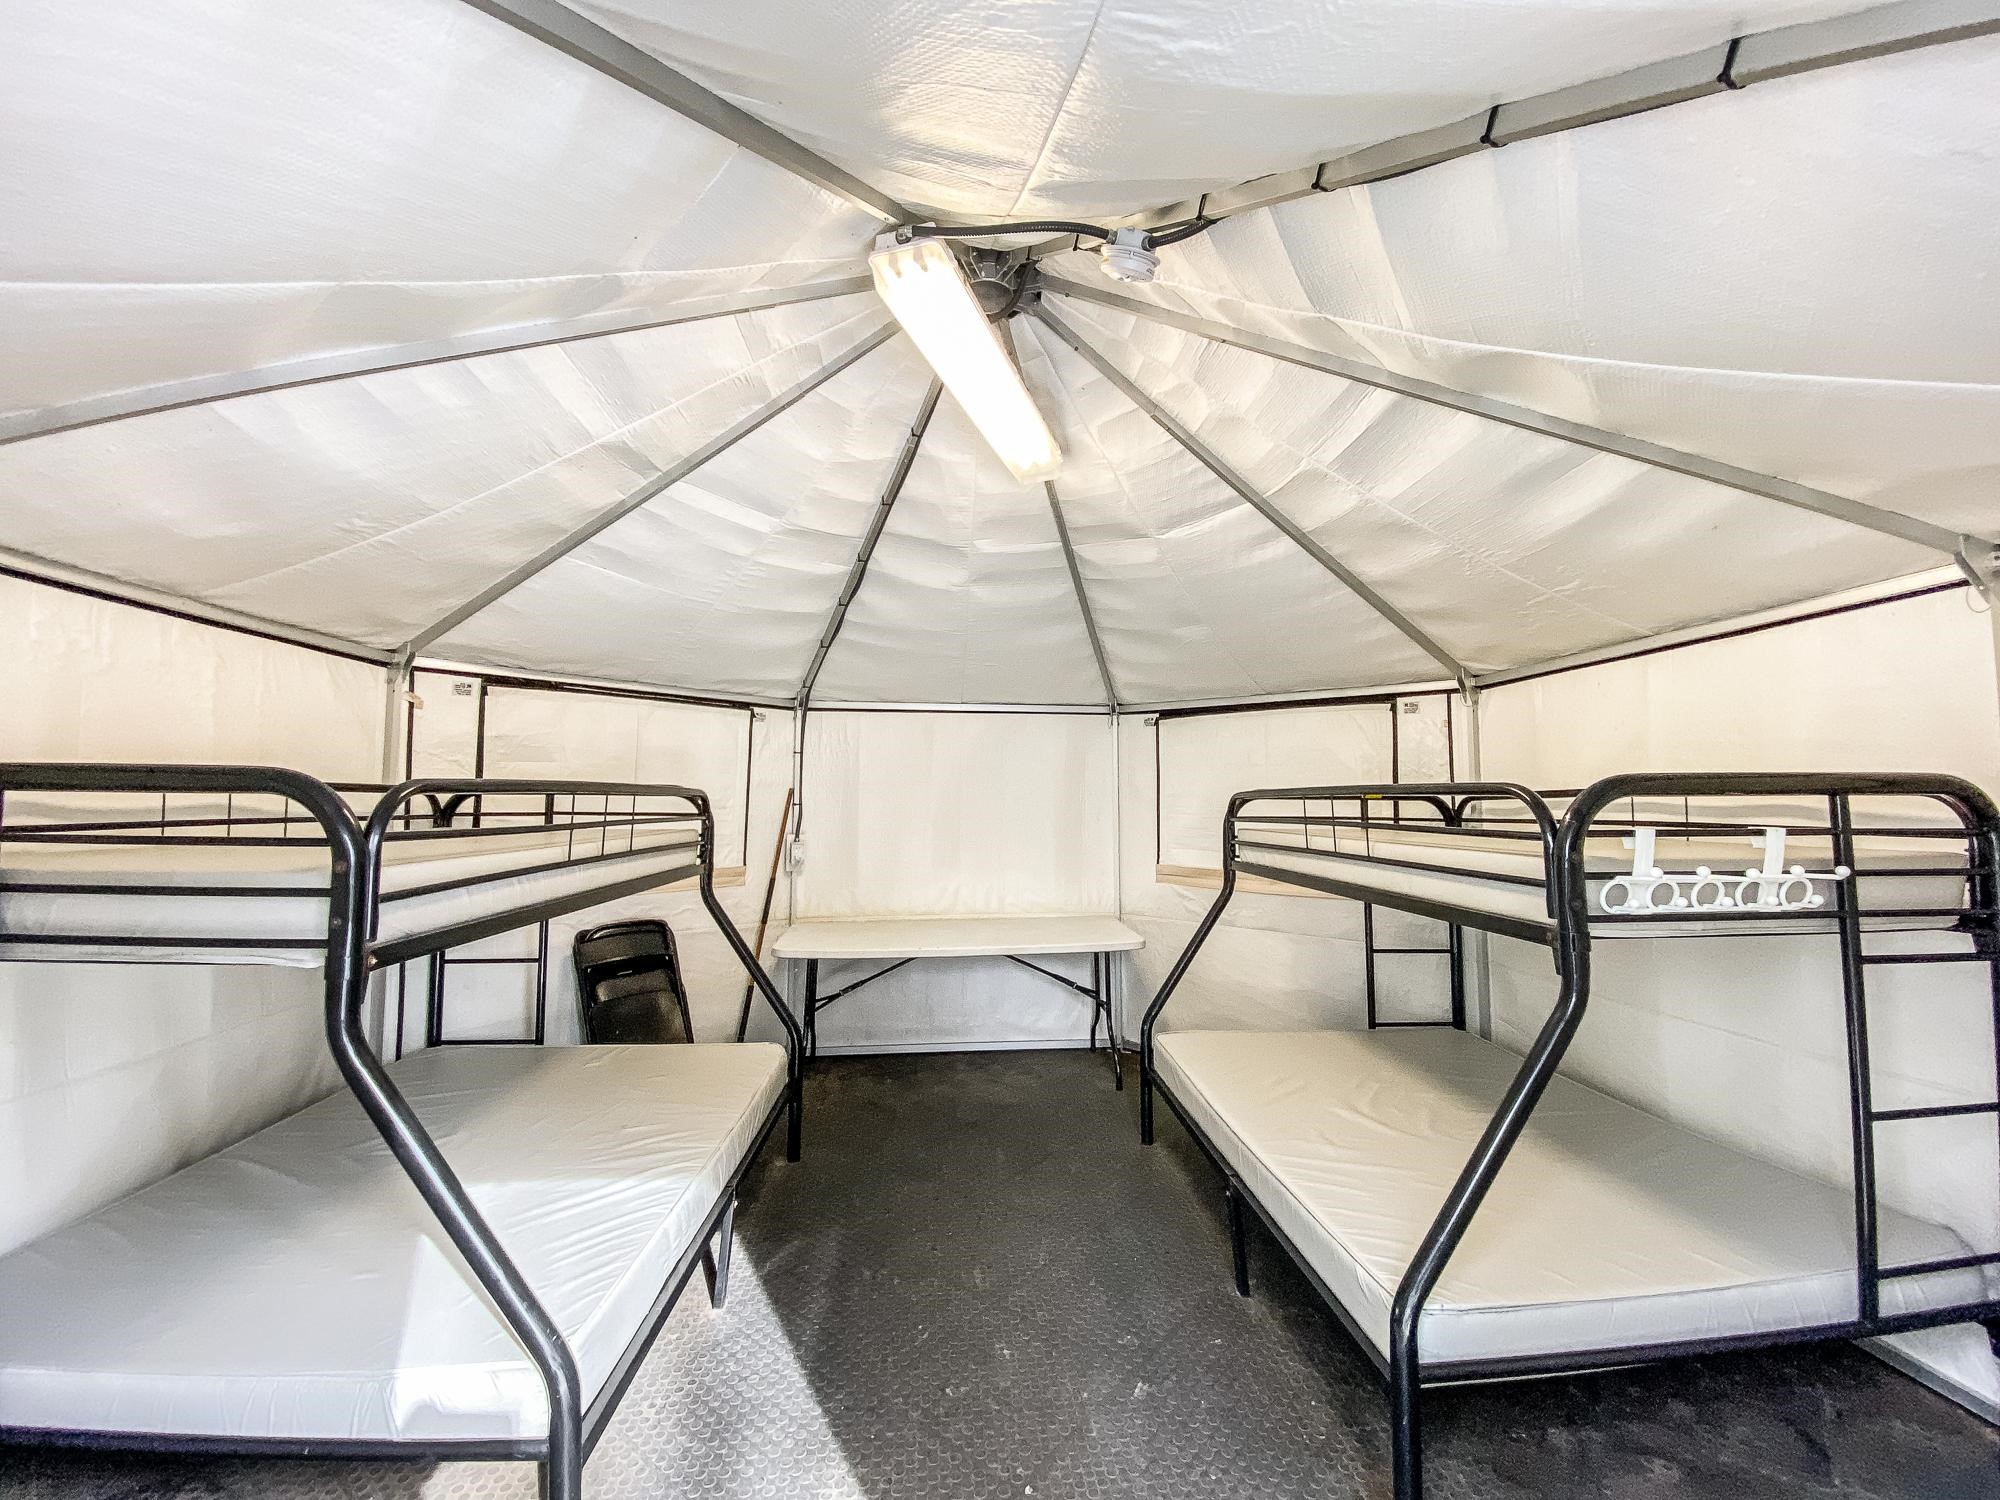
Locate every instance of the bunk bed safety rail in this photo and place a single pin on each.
(1442, 799)
(642, 809)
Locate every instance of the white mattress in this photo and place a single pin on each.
(1606, 1227)
(1485, 874)
(186, 916)
(954, 937)
(295, 1286)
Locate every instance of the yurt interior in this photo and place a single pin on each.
(1052, 748)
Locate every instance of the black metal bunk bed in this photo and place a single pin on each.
(573, 860)
(1542, 894)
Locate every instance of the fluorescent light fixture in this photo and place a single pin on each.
(925, 289)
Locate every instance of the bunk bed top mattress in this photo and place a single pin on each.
(1502, 877)
(1607, 1228)
(163, 900)
(294, 1286)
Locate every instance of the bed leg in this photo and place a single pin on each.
(1239, 1251)
(1145, 1102)
(1406, 1441)
(794, 1123)
(717, 1255)
(562, 1478)
(1992, 1326)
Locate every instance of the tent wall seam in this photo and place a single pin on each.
(1656, 455)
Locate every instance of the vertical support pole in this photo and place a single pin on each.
(1860, 1085)
(1368, 958)
(718, 1252)
(542, 983)
(1239, 1252)
(396, 717)
(812, 1008)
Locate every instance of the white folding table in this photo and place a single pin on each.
(907, 939)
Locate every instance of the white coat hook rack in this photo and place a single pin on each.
(1771, 886)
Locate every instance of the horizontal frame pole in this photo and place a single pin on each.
(1782, 53)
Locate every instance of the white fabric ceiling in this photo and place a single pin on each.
(1068, 107)
(1792, 278)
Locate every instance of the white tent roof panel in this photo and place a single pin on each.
(1196, 594)
(1788, 278)
(369, 508)
(1791, 278)
(219, 186)
(967, 598)
(1499, 541)
(724, 583)
(1079, 107)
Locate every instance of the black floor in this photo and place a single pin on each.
(977, 1283)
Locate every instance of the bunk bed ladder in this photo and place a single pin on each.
(1855, 962)
(1454, 951)
(434, 1032)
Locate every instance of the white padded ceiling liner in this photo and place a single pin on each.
(1505, 545)
(727, 579)
(1196, 594)
(218, 185)
(371, 507)
(967, 599)
(1796, 278)
(1111, 106)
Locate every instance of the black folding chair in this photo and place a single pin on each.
(628, 984)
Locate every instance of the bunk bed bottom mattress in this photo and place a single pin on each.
(1608, 1227)
(294, 1286)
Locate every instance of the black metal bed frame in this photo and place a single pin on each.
(352, 953)
(1453, 808)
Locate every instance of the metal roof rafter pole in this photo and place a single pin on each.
(1655, 455)
(199, 390)
(1255, 499)
(1082, 599)
(559, 27)
(665, 480)
(899, 472)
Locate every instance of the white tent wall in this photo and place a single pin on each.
(1275, 962)
(1745, 1040)
(732, 753)
(950, 813)
(112, 1075)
